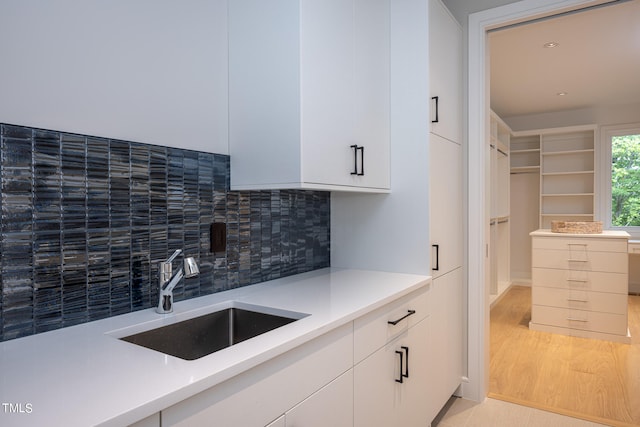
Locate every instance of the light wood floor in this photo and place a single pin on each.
(590, 379)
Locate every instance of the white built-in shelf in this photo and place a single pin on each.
(567, 195)
(567, 165)
(525, 169)
(567, 173)
(562, 153)
(567, 215)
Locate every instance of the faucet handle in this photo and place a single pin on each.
(190, 267)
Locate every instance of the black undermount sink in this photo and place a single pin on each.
(197, 337)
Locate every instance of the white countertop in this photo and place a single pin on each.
(83, 375)
(606, 234)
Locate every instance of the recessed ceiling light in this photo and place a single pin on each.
(551, 45)
(562, 94)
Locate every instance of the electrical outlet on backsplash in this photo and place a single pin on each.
(85, 220)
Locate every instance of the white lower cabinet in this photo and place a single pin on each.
(446, 340)
(391, 386)
(391, 350)
(262, 394)
(372, 372)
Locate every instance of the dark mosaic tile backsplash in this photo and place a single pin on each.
(85, 221)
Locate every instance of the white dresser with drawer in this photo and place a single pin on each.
(580, 284)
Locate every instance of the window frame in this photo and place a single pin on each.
(604, 175)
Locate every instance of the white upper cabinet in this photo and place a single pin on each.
(445, 60)
(309, 94)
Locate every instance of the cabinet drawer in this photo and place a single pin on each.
(597, 245)
(613, 262)
(580, 319)
(579, 299)
(581, 280)
(373, 331)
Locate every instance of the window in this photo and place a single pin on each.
(620, 178)
(625, 181)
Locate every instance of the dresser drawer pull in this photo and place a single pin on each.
(578, 260)
(577, 280)
(577, 300)
(573, 319)
(577, 244)
(395, 322)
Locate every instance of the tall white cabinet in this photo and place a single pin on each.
(309, 92)
(446, 201)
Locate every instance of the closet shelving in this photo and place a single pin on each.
(564, 160)
(500, 147)
(525, 154)
(552, 178)
(567, 175)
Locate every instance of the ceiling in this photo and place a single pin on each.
(596, 62)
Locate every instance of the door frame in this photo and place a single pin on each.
(476, 385)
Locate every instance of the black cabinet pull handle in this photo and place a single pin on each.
(435, 98)
(395, 322)
(357, 148)
(406, 362)
(401, 376)
(355, 160)
(437, 267)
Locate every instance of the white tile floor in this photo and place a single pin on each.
(497, 413)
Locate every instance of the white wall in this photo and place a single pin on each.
(391, 232)
(152, 71)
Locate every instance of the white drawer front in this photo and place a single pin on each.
(613, 262)
(373, 331)
(261, 394)
(589, 244)
(580, 319)
(581, 280)
(581, 300)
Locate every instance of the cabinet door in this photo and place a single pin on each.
(380, 400)
(446, 342)
(445, 176)
(326, 102)
(330, 406)
(345, 92)
(371, 89)
(445, 67)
